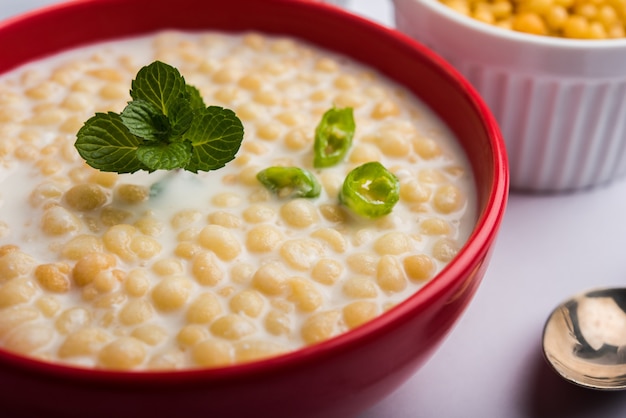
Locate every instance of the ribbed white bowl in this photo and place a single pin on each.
(560, 103)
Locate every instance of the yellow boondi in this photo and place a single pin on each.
(99, 270)
(576, 19)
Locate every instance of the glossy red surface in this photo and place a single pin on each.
(337, 378)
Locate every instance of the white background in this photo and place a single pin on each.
(491, 365)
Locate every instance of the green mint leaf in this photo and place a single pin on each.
(215, 134)
(195, 98)
(106, 144)
(166, 126)
(146, 121)
(180, 117)
(160, 84)
(164, 156)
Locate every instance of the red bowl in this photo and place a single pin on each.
(339, 377)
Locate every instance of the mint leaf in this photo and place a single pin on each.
(166, 126)
(145, 120)
(180, 117)
(107, 145)
(164, 156)
(216, 134)
(159, 84)
(195, 98)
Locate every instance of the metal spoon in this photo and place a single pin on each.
(584, 339)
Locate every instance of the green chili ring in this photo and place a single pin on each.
(290, 182)
(370, 190)
(333, 137)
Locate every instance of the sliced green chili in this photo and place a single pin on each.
(370, 190)
(333, 137)
(290, 181)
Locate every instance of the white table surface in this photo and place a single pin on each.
(491, 365)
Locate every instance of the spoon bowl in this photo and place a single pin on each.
(584, 339)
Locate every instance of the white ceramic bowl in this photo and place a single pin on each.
(560, 103)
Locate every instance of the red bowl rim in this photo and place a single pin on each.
(476, 247)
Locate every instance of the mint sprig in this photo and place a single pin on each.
(166, 126)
